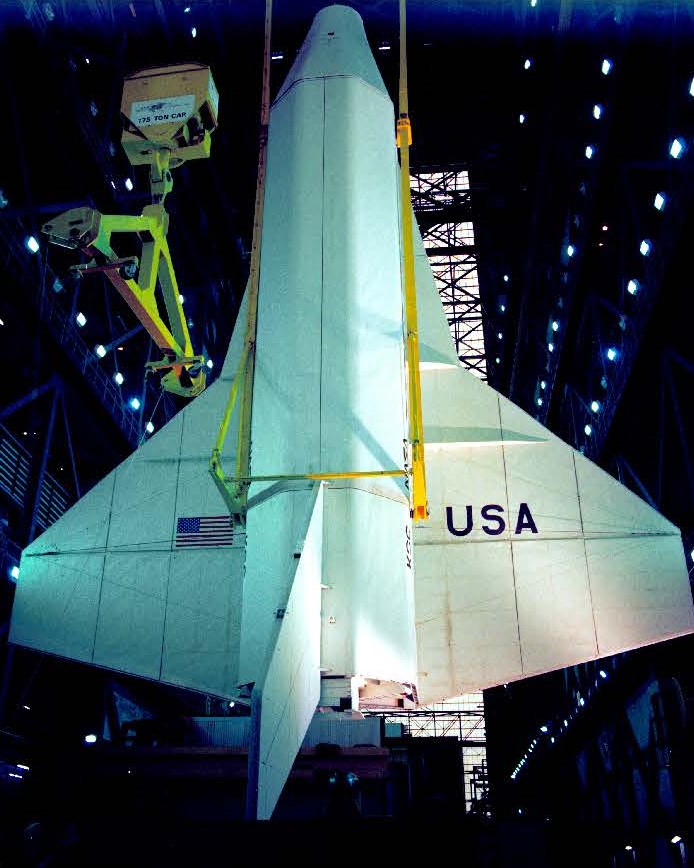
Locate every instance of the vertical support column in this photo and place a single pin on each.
(44, 462)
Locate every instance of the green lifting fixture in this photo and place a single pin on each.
(168, 116)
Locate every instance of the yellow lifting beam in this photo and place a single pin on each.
(416, 430)
(234, 490)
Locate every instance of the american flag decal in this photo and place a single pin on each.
(204, 531)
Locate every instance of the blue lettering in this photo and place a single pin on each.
(525, 519)
(451, 527)
(488, 515)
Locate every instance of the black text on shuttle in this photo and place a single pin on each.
(492, 513)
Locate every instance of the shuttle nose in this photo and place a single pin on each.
(336, 45)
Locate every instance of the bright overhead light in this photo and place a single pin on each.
(606, 67)
(497, 360)
(659, 201)
(181, 298)
(691, 87)
(210, 364)
(14, 572)
(506, 278)
(186, 10)
(590, 150)
(543, 384)
(543, 729)
(676, 148)
(533, 3)
(193, 32)
(100, 350)
(521, 119)
(550, 347)
(384, 46)
(277, 55)
(32, 245)
(149, 428)
(128, 184)
(539, 402)
(528, 63)
(500, 335)
(555, 325)
(605, 227)
(118, 378)
(612, 353)
(2, 322)
(595, 406)
(90, 739)
(628, 847)
(602, 673)
(597, 111)
(502, 308)
(81, 319)
(633, 287)
(588, 430)
(570, 250)
(135, 403)
(645, 247)
(675, 839)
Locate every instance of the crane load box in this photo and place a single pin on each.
(169, 107)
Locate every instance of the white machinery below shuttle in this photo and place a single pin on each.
(532, 558)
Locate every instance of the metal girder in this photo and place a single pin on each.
(442, 202)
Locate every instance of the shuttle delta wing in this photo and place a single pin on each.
(144, 574)
(533, 557)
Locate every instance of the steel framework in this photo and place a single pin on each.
(463, 718)
(441, 200)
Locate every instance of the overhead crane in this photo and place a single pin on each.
(169, 114)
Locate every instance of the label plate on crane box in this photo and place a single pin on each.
(162, 110)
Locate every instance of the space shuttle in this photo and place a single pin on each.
(532, 557)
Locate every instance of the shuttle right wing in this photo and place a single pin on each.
(533, 557)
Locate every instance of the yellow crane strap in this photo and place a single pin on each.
(341, 474)
(237, 499)
(416, 428)
(243, 455)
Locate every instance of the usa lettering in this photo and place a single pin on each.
(492, 514)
